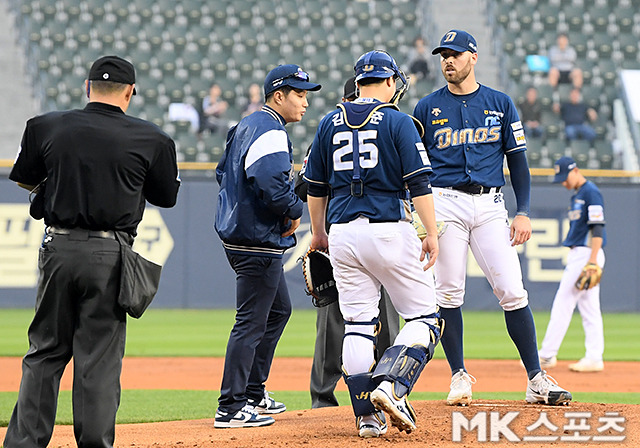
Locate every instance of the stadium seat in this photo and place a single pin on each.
(602, 44)
(574, 17)
(624, 18)
(604, 154)
(549, 14)
(524, 11)
(556, 148)
(628, 44)
(599, 17)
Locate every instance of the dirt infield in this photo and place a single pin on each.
(335, 427)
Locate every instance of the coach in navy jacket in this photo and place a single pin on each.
(257, 215)
(256, 201)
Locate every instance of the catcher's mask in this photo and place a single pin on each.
(380, 64)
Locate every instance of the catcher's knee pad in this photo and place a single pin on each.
(358, 352)
(368, 330)
(402, 366)
(436, 328)
(360, 387)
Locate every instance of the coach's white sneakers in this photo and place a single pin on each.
(400, 412)
(267, 405)
(587, 365)
(544, 389)
(373, 425)
(460, 393)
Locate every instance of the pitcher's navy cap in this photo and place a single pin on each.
(457, 40)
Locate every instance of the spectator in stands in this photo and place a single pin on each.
(576, 116)
(213, 111)
(418, 59)
(562, 58)
(531, 114)
(255, 100)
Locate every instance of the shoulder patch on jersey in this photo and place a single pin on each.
(516, 125)
(519, 136)
(596, 213)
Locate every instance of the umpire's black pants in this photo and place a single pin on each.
(263, 308)
(76, 315)
(326, 370)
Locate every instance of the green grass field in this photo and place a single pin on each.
(205, 333)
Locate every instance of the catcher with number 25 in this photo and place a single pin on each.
(580, 283)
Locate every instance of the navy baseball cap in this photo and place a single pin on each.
(288, 75)
(350, 89)
(563, 167)
(113, 68)
(457, 40)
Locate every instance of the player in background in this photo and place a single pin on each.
(586, 238)
(363, 154)
(469, 129)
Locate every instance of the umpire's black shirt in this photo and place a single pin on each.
(100, 164)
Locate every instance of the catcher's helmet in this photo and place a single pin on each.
(380, 64)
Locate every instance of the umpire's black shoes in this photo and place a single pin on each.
(246, 417)
(267, 405)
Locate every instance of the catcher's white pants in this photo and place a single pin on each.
(364, 256)
(481, 223)
(565, 301)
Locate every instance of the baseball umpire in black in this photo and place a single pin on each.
(100, 166)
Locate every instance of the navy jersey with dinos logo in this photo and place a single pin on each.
(587, 209)
(467, 136)
(390, 152)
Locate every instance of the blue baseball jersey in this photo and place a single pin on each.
(587, 209)
(390, 153)
(467, 136)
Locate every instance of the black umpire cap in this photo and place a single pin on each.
(350, 90)
(113, 68)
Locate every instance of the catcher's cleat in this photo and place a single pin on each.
(246, 417)
(587, 365)
(400, 412)
(373, 425)
(544, 389)
(460, 393)
(267, 405)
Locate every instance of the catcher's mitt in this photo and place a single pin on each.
(589, 277)
(421, 231)
(318, 277)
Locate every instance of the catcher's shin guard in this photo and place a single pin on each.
(360, 386)
(402, 365)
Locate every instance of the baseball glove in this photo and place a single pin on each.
(589, 277)
(421, 231)
(318, 277)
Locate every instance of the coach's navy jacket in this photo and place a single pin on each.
(256, 187)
